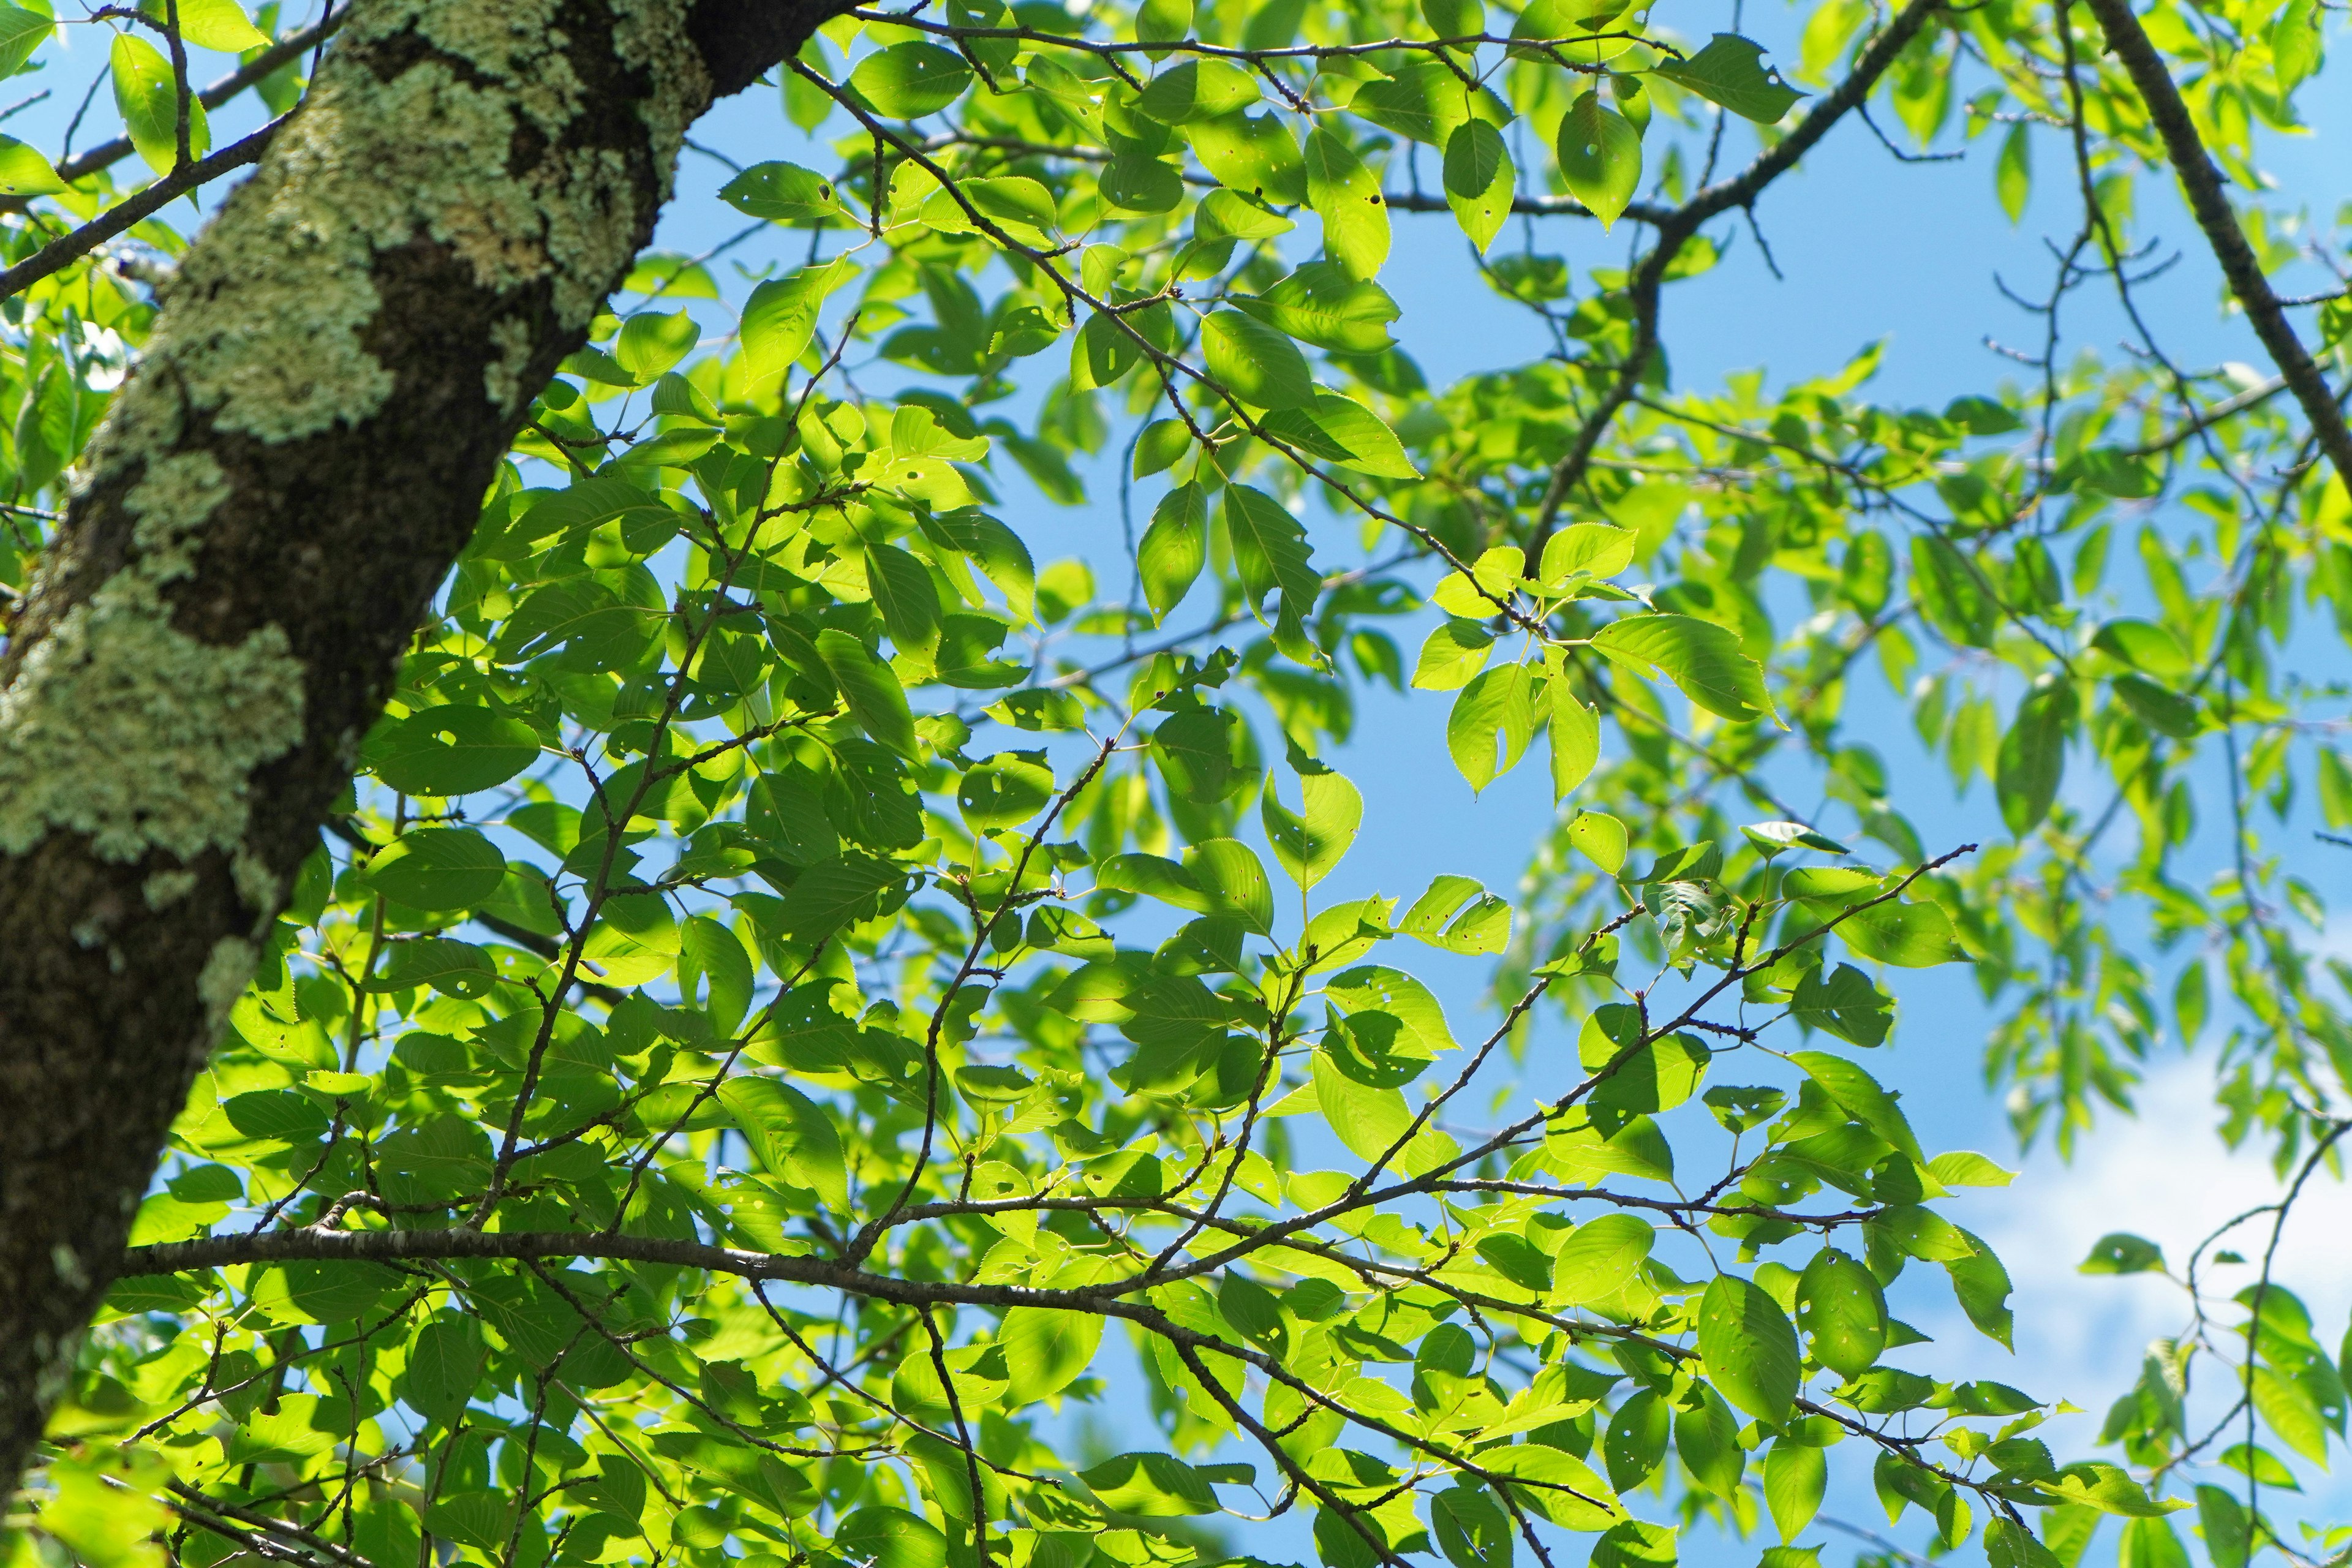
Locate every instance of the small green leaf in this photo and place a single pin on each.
(1795, 1476)
(906, 81)
(1254, 361)
(1004, 790)
(1600, 838)
(1456, 651)
(792, 1135)
(2012, 175)
(1308, 845)
(786, 194)
(871, 688)
(1730, 71)
(1045, 1350)
(1842, 1312)
(1749, 1348)
(148, 100)
(1703, 658)
(438, 869)
(1154, 1486)
(1347, 196)
(1479, 181)
(780, 317)
(452, 750)
(24, 171)
(1600, 157)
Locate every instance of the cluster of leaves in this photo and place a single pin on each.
(794, 968)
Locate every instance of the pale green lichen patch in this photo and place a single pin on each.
(226, 969)
(502, 377)
(163, 889)
(125, 728)
(121, 727)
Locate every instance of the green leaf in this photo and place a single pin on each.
(1004, 790)
(2013, 173)
(24, 172)
(834, 892)
(1174, 548)
(1320, 304)
(1499, 706)
(1846, 1005)
(2222, 1520)
(889, 1538)
(1341, 430)
(1308, 846)
(1233, 877)
(1575, 741)
(2119, 1252)
(1252, 154)
(2145, 646)
(445, 1362)
(1152, 1486)
(1598, 1258)
(871, 689)
(452, 968)
(1198, 90)
(1256, 363)
(1195, 748)
(1909, 935)
(1707, 1440)
(22, 31)
(1600, 157)
(1795, 1476)
(2108, 1489)
(651, 342)
(1634, 1443)
(1270, 550)
(1774, 837)
(438, 869)
(1730, 71)
(1479, 181)
(1858, 1094)
(219, 24)
(791, 1134)
(785, 194)
(1748, 1347)
(906, 81)
(1633, 1544)
(1045, 1350)
(780, 317)
(1699, 657)
(1347, 196)
(2165, 712)
(1600, 838)
(1455, 652)
(147, 98)
(2294, 55)
(1597, 549)
(1842, 1312)
(2034, 757)
(451, 750)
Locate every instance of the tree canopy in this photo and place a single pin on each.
(692, 998)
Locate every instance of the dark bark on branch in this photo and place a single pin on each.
(342, 360)
(2209, 200)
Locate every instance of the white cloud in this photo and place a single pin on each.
(2164, 1175)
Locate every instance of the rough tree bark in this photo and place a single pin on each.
(340, 363)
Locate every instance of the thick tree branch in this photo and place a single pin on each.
(2209, 201)
(342, 358)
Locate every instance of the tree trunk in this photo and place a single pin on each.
(339, 364)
